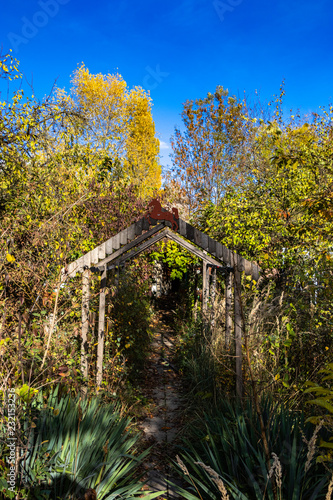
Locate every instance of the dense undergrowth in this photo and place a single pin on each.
(70, 447)
(228, 440)
(223, 454)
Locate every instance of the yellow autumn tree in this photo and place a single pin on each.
(117, 124)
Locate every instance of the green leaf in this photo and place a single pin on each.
(323, 403)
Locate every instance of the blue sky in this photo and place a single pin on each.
(178, 50)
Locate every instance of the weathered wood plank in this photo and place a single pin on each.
(197, 237)
(248, 267)
(205, 286)
(94, 255)
(108, 246)
(116, 242)
(131, 233)
(211, 246)
(145, 224)
(204, 241)
(219, 250)
(138, 227)
(233, 259)
(189, 232)
(197, 251)
(123, 236)
(213, 294)
(182, 227)
(226, 255)
(122, 259)
(79, 264)
(71, 272)
(241, 263)
(87, 260)
(201, 239)
(255, 271)
(101, 251)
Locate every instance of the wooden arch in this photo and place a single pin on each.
(135, 239)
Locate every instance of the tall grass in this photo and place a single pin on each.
(77, 446)
(228, 441)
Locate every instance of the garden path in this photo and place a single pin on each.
(163, 389)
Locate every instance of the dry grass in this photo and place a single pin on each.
(217, 480)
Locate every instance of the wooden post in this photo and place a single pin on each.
(238, 331)
(101, 327)
(205, 286)
(212, 294)
(195, 294)
(85, 324)
(228, 295)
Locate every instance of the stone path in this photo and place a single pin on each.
(161, 427)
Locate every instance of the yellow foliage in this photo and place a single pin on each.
(119, 123)
(10, 258)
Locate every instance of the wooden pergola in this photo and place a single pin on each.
(138, 237)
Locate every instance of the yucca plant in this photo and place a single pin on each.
(77, 445)
(230, 445)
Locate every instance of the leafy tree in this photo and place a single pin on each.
(117, 123)
(213, 151)
(274, 207)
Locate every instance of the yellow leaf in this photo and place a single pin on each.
(10, 258)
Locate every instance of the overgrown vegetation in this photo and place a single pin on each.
(229, 443)
(77, 168)
(71, 446)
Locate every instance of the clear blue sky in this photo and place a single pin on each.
(179, 49)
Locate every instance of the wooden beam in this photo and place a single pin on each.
(185, 229)
(85, 324)
(139, 249)
(238, 331)
(228, 295)
(199, 253)
(128, 246)
(177, 239)
(101, 328)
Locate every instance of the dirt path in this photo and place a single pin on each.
(163, 390)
